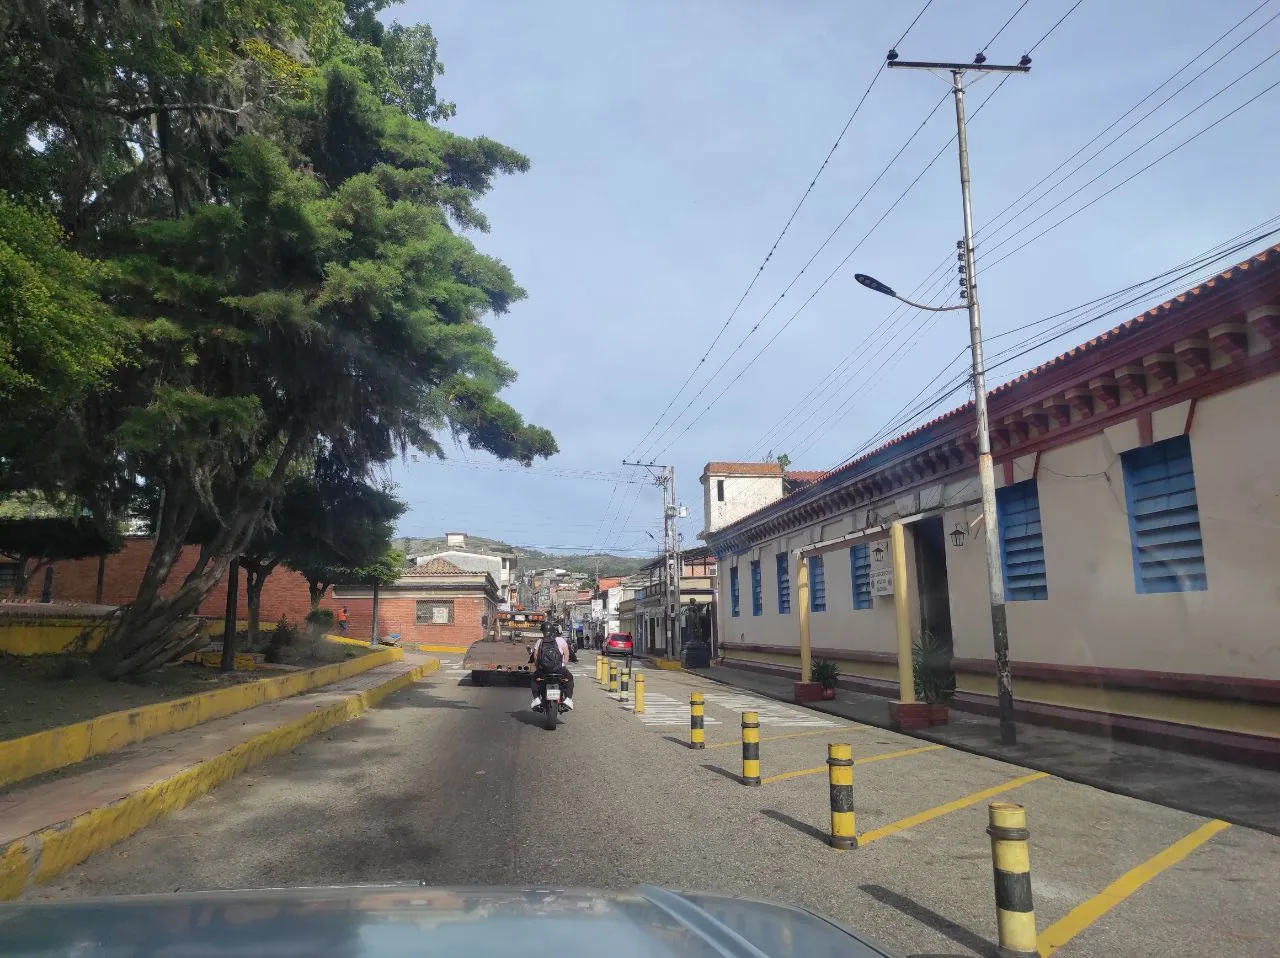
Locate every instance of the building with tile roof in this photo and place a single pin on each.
(1138, 510)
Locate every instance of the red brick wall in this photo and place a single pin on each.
(397, 614)
(285, 591)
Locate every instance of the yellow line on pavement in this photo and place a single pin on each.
(778, 738)
(1084, 915)
(919, 819)
(783, 776)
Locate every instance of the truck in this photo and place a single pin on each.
(506, 651)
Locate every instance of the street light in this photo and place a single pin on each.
(870, 282)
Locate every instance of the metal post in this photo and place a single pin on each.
(677, 571)
(697, 718)
(750, 748)
(844, 830)
(986, 469)
(229, 619)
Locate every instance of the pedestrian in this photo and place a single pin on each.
(342, 617)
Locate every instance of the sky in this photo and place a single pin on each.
(670, 142)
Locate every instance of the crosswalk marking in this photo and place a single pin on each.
(772, 714)
(662, 709)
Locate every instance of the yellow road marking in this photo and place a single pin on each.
(779, 738)
(783, 776)
(919, 819)
(1084, 915)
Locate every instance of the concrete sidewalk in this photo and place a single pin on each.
(52, 822)
(1203, 786)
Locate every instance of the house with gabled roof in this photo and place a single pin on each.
(1138, 516)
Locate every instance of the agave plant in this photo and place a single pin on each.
(934, 678)
(825, 673)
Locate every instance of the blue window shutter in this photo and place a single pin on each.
(784, 584)
(817, 585)
(733, 590)
(860, 565)
(757, 599)
(1021, 542)
(1164, 518)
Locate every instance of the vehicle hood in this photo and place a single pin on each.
(404, 920)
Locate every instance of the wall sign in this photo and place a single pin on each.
(882, 582)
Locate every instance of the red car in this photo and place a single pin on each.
(618, 643)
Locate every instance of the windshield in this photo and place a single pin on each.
(875, 403)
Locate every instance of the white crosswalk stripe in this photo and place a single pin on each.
(662, 709)
(772, 714)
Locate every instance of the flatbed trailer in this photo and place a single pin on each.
(506, 652)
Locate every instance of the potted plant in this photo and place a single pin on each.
(826, 673)
(934, 678)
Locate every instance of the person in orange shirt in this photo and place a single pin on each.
(342, 620)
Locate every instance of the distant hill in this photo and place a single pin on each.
(533, 558)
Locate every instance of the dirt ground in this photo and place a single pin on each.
(47, 691)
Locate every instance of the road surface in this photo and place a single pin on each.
(447, 783)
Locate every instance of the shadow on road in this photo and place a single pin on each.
(724, 772)
(939, 923)
(419, 697)
(677, 740)
(525, 717)
(803, 827)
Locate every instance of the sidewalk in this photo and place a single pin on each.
(1203, 786)
(55, 821)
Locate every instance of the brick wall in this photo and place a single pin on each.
(285, 591)
(397, 614)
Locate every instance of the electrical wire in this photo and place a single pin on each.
(1004, 26)
(773, 248)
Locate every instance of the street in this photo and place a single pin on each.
(447, 783)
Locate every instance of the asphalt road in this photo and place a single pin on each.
(452, 784)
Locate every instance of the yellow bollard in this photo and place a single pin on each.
(697, 709)
(750, 748)
(624, 684)
(844, 831)
(613, 678)
(600, 669)
(1011, 862)
(638, 705)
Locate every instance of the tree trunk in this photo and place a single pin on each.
(374, 637)
(229, 620)
(102, 571)
(255, 577)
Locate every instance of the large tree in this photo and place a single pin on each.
(287, 231)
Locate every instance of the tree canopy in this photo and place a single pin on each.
(267, 234)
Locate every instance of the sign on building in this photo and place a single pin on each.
(881, 567)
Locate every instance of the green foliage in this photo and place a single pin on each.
(825, 672)
(784, 461)
(935, 681)
(58, 341)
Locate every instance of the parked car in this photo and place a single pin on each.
(618, 643)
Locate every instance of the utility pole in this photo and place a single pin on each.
(986, 470)
(671, 510)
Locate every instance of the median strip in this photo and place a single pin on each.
(48, 828)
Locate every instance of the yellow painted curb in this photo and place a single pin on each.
(345, 640)
(21, 758)
(38, 858)
(669, 665)
(438, 648)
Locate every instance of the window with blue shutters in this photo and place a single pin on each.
(860, 565)
(757, 597)
(733, 590)
(784, 584)
(817, 585)
(1164, 518)
(1021, 542)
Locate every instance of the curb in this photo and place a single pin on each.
(21, 758)
(42, 856)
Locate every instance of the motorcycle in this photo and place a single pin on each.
(552, 701)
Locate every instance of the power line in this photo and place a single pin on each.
(1004, 26)
(773, 248)
(1050, 31)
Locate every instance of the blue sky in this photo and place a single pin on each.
(671, 139)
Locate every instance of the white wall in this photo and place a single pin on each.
(743, 495)
(1094, 616)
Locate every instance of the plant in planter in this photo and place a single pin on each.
(826, 673)
(934, 678)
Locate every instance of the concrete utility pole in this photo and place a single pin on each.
(670, 549)
(986, 470)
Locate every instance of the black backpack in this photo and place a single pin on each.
(549, 657)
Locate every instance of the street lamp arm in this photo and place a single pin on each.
(932, 309)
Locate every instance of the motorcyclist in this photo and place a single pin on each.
(555, 661)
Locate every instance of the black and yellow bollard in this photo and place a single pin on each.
(624, 680)
(1011, 862)
(613, 678)
(697, 710)
(750, 748)
(844, 832)
(638, 705)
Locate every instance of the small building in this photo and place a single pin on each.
(697, 575)
(1137, 511)
(436, 603)
(499, 562)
